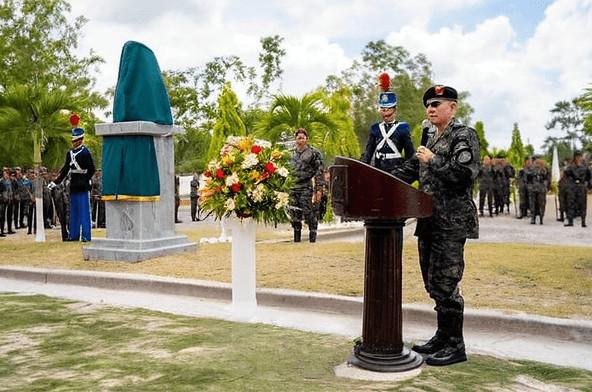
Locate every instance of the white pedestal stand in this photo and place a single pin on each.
(244, 280)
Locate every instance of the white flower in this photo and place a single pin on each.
(213, 165)
(258, 193)
(282, 171)
(233, 140)
(231, 179)
(263, 143)
(282, 198)
(250, 161)
(229, 205)
(203, 184)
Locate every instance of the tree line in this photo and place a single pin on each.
(42, 81)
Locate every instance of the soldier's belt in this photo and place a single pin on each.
(78, 171)
(381, 155)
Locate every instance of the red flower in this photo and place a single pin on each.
(256, 149)
(235, 187)
(269, 167)
(208, 173)
(220, 173)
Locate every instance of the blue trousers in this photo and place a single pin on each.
(79, 216)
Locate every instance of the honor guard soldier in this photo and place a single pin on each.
(80, 166)
(521, 181)
(538, 185)
(388, 139)
(446, 167)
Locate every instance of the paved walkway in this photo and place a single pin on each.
(544, 339)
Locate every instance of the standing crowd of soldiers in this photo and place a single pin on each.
(575, 181)
(17, 201)
(495, 178)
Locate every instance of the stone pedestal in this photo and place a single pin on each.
(244, 272)
(138, 231)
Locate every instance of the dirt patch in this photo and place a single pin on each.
(528, 384)
(16, 342)
(84, 308)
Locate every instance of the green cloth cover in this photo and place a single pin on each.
(130, 167)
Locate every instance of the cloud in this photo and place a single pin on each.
(510, 82)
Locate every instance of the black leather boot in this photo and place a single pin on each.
(436, 343)
(533, 220)
(312, 236)
(541, 220)
(583, 222)
(569, 222)
(454, 351)
(297, 235)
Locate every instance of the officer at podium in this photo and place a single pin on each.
(446, 168)
(389, 142)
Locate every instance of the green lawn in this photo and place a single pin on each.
(543, 279)
(49, 344)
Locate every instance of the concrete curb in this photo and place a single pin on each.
(478, 320)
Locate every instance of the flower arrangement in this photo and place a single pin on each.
(249, 179)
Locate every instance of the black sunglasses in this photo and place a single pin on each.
(434, 104)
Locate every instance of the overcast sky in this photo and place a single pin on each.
(515, 57)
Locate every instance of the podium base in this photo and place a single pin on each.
(404, 361)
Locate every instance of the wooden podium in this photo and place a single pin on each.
(361, 191)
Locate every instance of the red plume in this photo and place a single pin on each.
(384, 81)
(74, 120)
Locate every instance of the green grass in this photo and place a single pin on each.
(543, 279)
(49, 344)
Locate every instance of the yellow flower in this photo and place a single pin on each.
(244, 144)
(228, 160)
(276, 154)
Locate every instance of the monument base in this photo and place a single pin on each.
(133, 251)
(346, 370)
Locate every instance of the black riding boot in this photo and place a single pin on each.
(454, 351)
(312, 236)
(569, 222)
(583, 221)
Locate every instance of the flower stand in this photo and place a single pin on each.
(244, 280)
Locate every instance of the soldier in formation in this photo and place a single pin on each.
(538, 183)
(486, 186)
(578, 181)
(6, 202)
(521, 182)
(98, 204)
(306, 193)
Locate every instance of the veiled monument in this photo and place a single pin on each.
(138, 166)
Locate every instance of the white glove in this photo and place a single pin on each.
(51, 185)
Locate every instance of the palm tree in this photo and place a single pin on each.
(33, 115)
(287, 113)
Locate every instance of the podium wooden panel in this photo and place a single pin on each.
(361, 191)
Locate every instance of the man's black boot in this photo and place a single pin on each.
(437, 342)
(583, 222)
(541, 218)
(533, 220)
(454, 351)
(312, 236)
(297, 235)
(569, 222)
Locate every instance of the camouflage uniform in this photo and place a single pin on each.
(25, 189)
(498, 186)
(521, 181)
(562, 188)
(449, 178)
(6, 204)
(509, 173)
(579, 180)
(177, 199)
(308, 166)
(193, 185)
(537, 185)
(61, 199)
(486, 187)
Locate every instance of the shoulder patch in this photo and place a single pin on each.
(464, 157)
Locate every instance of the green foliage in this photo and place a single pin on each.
(516, 153)
(287, 113)
(483, 143)
(584, 102)
(39, 77)
(340, 140)
(568, 117)
(228, 121)
(410, 77)
(33, 116)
